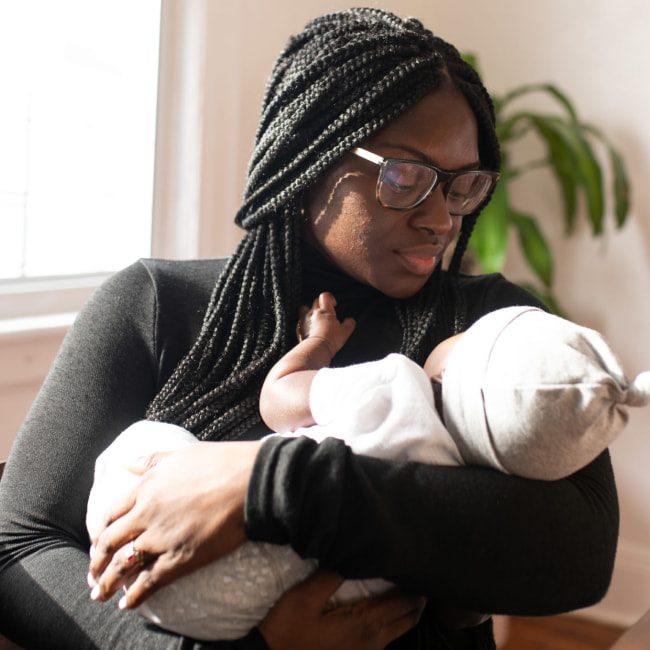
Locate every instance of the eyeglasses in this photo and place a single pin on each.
(404, 184)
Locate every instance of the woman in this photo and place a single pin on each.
(330, 205)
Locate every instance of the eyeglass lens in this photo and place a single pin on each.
(405, 184)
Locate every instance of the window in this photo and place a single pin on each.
(203, 126)
(77, 136)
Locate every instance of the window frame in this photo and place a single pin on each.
(32, 303)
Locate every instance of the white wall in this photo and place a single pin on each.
(597, 51)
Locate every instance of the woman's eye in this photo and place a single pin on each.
(402, 186)
(456, 196)
(407, 176)
(399, 181)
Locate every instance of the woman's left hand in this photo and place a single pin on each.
(186, 511)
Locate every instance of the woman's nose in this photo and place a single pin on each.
(432, 214)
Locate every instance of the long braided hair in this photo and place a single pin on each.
(344, 77)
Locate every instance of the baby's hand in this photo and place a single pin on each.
(321, 322)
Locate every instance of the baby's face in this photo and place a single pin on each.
(436, 362)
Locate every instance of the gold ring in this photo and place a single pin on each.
(134, 555)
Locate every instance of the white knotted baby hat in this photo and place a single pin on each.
(534, 394)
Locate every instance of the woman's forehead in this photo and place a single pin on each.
(441, 129)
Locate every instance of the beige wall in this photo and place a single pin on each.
(597, 51)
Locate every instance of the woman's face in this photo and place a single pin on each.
(394, 251)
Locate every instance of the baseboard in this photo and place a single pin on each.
(628, 597)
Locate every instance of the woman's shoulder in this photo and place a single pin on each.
(167, 276)
(163, 300)
(163, 284)
(182, 290)
(199, 275)
(486, 293)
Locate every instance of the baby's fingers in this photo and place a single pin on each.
(327, 302)
(348, 326)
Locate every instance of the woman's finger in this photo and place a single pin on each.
(110, 541)
(125, 565)
(155, 574)
(319, 588)
(392, 614)
(305, 618)
(120, 506)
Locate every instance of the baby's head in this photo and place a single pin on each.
(436, 362)
(535, 394)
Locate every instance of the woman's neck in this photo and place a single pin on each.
(320, 274)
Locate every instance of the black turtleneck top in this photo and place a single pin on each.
(464, 536)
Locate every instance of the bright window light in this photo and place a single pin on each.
(77, 130)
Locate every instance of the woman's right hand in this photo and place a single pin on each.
(303, 620)
(186, 511)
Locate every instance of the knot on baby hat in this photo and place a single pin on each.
(638, 392)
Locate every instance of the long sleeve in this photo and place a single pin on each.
(466, 536)
(107, 371)
(471, 537)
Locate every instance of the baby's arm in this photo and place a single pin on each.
(284, 400)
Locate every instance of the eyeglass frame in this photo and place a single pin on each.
(442, 176)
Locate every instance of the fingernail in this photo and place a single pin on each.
(91, 552)
(94, 594)
(123, 603)
(91, 580)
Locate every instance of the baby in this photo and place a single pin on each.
(523, 392)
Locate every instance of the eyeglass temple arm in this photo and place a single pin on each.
(368, 155)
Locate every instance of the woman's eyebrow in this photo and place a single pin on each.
(419, 155)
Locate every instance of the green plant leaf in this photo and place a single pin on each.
(470, 57)
(551, 89)
(590, 174)
(620, 184)
(547, 298)
(574, 165)
(563, 161)
(489, 239)
(513, 127)
(534, 246)
(621, 187)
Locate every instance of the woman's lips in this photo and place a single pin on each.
(420, 260)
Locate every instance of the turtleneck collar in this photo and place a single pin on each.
(378, 331)
(319, 274)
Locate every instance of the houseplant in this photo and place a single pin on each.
(578, 170)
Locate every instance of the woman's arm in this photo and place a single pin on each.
(469, 537)
(108, 369)
(102, 380)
